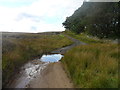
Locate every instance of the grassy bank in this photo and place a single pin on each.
(94, 65)
(18, 49)
(87, 38)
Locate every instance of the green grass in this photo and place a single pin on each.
(93, 66)
(16, 52)
(86, 38)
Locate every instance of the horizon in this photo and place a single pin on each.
(30, 32)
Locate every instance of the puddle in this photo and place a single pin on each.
(33, 68)
(28, 72)
(51, 58)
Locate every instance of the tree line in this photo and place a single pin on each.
(95, 18)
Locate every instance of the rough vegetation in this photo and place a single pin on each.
(18, 49)
(93, 66)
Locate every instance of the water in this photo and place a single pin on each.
(28, 72)
(51, 58)
(33, 68)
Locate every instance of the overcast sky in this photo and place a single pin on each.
(35, 15)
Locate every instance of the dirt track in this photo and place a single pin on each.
(52, 76)
(65, 49)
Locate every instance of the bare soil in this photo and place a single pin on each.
(54, 76)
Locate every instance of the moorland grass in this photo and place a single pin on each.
(93, 66)
(17, 51)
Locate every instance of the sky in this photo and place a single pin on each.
(35, 15)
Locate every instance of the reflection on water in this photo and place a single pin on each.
(33, 68)
(51, 58)
(28, 72)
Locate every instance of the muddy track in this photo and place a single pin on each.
(65, 49)
(54, 76)
(48, 75)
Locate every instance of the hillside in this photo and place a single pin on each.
(96, 18)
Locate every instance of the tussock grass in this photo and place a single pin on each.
(17, 51)
(93, 66)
